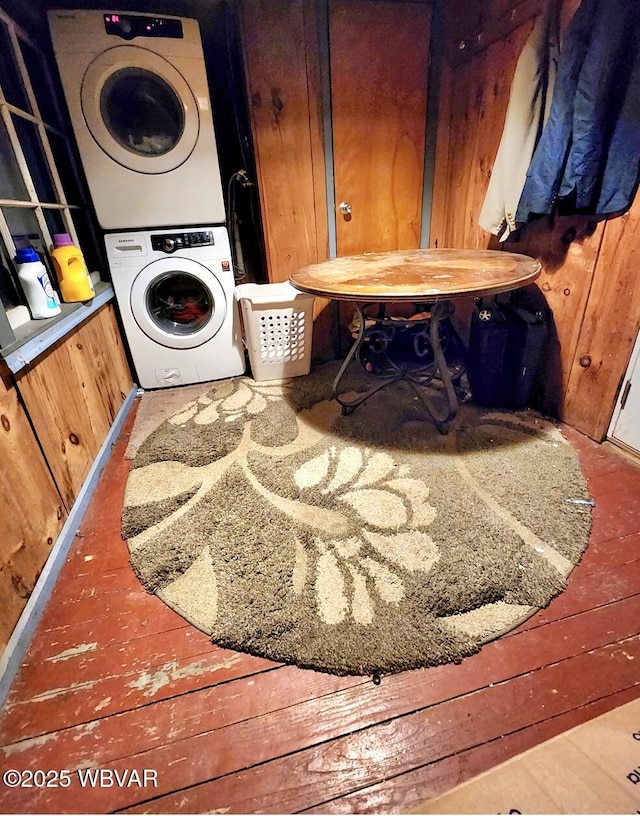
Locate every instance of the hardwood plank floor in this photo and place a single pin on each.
(114, 681)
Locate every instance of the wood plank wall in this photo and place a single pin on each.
(610, 324)
(283, 74)
(285, 109)
(31, 508)
(72, 395)
(54, 418)
(590, 284)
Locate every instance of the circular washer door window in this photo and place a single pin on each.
(178, 304)
(140, 109)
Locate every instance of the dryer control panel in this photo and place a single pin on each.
(129, 26)
(181, 240)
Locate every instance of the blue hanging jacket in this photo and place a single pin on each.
(588, 157)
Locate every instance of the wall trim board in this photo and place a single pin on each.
(442, 168)
(620, 449)
(434, 81)
(327, 123)
(21, 637)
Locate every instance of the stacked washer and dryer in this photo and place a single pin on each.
(136, 89)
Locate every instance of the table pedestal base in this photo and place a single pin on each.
(428, 362)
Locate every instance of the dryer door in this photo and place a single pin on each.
(178, 303)
(140, 109)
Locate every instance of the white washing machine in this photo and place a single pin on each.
(136, 89)
(174, 289)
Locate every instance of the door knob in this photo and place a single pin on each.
(345, 208)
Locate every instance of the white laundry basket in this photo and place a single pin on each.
(278, 327)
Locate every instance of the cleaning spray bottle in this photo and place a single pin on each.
(34, 278)
(71, 269)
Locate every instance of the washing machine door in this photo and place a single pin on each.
(140, 109)
(178, 302)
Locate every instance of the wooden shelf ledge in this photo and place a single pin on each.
(35, 337)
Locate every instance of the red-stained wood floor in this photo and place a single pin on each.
(116, 682)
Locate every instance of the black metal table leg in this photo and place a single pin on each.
(349, 405)
(440, 403)
(441, 407)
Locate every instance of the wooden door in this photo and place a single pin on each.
(379, 72)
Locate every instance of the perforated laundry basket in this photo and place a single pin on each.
(278, 328)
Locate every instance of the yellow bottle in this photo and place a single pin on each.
(71, 269)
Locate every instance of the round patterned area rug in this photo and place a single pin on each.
(355, 545)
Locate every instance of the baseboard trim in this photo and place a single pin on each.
(21, 637)
(631, 454)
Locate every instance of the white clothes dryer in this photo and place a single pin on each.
(174, 289)
(137, 93)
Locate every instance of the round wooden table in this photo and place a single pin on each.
(429, 278)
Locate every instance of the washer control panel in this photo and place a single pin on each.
(181, 240)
